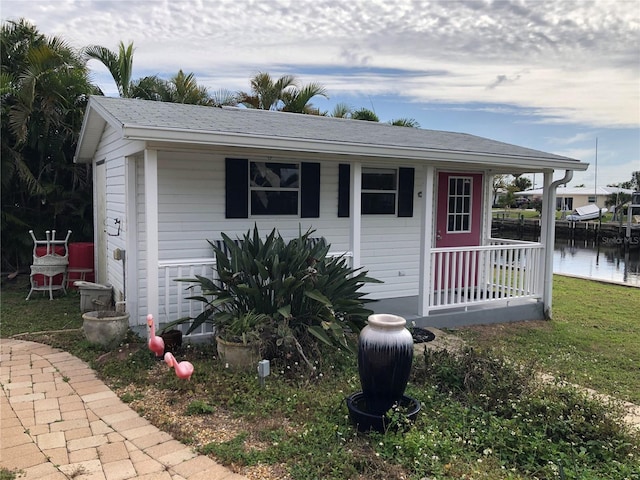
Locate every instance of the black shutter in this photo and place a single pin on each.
(344, 173)
(310, 190)
(405, 192)
(236, 187)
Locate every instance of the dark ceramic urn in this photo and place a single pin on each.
(385, 354)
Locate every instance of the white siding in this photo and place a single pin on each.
(391, 250)
(191, 206)
(191, 201)
(110, 150)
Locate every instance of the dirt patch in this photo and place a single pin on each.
(123, 353)
(486, 334)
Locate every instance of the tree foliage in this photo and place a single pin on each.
(520, 183)
(365, 114)
(120, 64)
(282, 94)
(45, 87)
(181, 88)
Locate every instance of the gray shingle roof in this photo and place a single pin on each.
(177, 117)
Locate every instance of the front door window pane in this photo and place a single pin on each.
(459, 205)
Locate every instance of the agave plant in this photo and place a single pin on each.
(299, 290)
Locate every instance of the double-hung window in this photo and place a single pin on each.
(255, 188)
(383, 191)
(274, 188)
(379, 190)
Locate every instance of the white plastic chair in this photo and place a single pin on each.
(50, 264)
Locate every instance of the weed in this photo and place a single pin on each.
(198, 407)
(6, 474)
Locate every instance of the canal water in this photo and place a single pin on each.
(585, 258)
(607, 260)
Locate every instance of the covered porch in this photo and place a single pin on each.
(485, 284)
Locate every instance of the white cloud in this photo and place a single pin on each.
(569, 62)
(576, 60)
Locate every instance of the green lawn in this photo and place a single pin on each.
(482, 416)
(593, 339)
(39, 313)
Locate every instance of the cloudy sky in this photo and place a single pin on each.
(550, 75)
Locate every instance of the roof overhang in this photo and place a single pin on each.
(97, 117)
(353, 149)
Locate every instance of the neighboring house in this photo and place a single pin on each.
(411, 206)
(570, 198)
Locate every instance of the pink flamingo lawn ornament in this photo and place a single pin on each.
(156, 343)
(183, 369)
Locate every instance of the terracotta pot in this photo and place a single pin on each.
(238, 356)
(385, 354)
(106, 328)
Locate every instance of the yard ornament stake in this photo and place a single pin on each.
(156, 344)
(183, 370)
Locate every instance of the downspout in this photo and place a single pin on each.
(549, 240)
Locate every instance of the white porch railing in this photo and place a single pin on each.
(499, 273)
(173, 295)
(502, 272)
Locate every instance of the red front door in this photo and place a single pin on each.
(458, 224)
(459, 216)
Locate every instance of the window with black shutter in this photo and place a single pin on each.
(385, 191)
(256, 188)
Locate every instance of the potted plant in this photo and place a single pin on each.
(238, 338)
(291, 294)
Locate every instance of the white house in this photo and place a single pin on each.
(570, 198)
(412, 206)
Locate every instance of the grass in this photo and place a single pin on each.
(593, 340)
(39, 313)
(483, 417)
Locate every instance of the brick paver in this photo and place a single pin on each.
(59, 421)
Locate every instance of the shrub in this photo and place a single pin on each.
(541, 429)
(304, 296)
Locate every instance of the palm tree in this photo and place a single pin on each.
(45, 86)
(365, 114)
(266, 94)
(150, 87)
(223, 97)
(185, 89)
(341, 110)
(297, 100)
(405, 122)
(120, 64)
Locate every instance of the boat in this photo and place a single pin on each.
(588, 212)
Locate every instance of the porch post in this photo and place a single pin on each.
(426, 236)
(546, 236)
(355, 213)
(487, 192)
(131, 251)
(151, 224)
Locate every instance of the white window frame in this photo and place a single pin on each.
(395, 191)
(252, 189)
(462, 196)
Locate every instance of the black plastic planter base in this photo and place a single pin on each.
(356, 404)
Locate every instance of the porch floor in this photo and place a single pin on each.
(407, 307)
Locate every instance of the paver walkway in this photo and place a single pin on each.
(59, 421)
